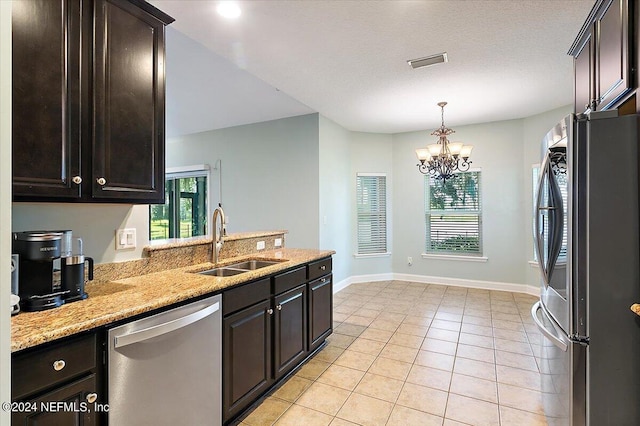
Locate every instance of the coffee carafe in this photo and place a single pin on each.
(39, 278)
(73, 274)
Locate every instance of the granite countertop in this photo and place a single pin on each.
(112, 301)
(636, 308)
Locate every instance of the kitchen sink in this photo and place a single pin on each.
(252, 265)
(240, 267)
(222, 272)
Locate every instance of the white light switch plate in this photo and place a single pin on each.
(125, 238)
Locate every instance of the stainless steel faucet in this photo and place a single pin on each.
(216, 244)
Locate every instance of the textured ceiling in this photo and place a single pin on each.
(347, 59)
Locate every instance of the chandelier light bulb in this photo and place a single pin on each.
(455, 147)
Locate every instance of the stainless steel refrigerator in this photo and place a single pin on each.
(586, 231)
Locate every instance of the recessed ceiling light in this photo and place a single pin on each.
(228, 9)
(428, 61)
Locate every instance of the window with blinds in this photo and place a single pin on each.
(371, 194)
(453, 215)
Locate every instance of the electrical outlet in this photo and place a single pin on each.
(125, 238)
(260, 245)
(278, 242)
(410, 260)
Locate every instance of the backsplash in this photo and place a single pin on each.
(170, 254)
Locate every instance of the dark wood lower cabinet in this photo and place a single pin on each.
(290, 326)
(246, 357)
(320, 311)
(66, 405)
(266, 339)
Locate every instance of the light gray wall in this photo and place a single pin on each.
(498, 152)
(95, 223)
(336, 206)
(270, 174)
(534, 129)
(5, 206)
(372, 153)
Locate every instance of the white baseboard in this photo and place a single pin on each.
(361, 279)
(456, 282)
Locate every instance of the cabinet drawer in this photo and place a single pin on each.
(241, 297)
(319, 268)
(77, 393)
(289, 280)
(41, 368)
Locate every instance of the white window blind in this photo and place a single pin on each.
(453, 215)
(371, 194)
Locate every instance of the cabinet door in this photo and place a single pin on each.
(583, 72)
(128, 101)
(246, 358)
(320, 311)
(290, 330)
(612, 70)
(47, 95)
(65, 405)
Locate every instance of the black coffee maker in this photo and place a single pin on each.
(40, 275)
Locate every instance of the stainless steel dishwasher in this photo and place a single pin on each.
(166, 369)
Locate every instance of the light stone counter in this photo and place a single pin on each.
(111, 301)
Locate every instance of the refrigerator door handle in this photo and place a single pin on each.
(539, 223)
(549, 334)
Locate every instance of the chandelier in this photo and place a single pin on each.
(443, 158)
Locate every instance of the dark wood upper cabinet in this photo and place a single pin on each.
(612, 68)
(47, 97)
(128, 102)
(88, 101)
(584, 80)
(602, 57)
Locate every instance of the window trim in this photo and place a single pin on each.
(386, 253)
(463, 256)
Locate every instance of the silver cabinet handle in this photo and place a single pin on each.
(279, 307)
(270, 311)
(551, 336)
(77, 180)
(323, 267)
(164, 328)
(324, 280)
(92, 397)
(101, 181)
(59, 364)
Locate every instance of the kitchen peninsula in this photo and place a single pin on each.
(168, 277)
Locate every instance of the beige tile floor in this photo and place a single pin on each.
(405, 353)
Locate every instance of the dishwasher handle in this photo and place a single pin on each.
(167, 327)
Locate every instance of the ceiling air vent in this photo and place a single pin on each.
(428, 61)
